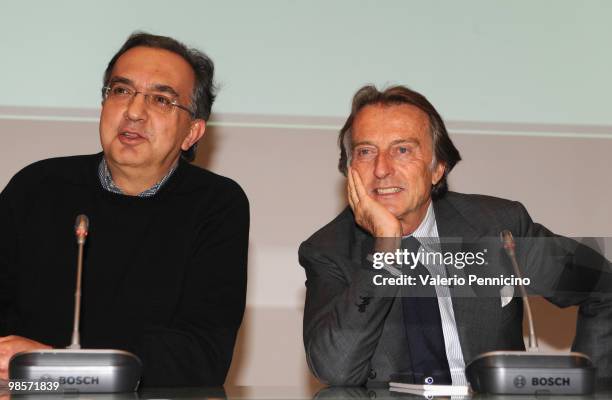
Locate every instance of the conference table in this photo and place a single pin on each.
(275, 392)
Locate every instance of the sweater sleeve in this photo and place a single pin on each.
(8, 243)
(196, 348)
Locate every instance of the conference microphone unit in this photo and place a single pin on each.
(530, 372)
(76, 370)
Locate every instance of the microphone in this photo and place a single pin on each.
(532, 371)
(76, 370)
(508, 241)
(81, 229)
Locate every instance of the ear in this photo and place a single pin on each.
(438, 172)
(196, 131)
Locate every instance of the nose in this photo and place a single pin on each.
(136, 107)
(383, 167)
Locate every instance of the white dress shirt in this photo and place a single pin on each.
(427, 234)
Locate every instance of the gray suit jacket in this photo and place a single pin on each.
(354, 333)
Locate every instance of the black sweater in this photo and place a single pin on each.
(164, 277)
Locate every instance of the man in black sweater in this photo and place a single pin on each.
(166, 256)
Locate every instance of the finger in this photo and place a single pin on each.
(351, 188)
(359, 188)
(6, 349)
(4, 363)
(349, 198)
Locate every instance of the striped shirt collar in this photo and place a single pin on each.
(427, 228)
(106, 180)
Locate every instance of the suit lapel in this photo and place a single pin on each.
(475, 316)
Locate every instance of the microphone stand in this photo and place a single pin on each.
(74, 369)
(81, 230)
(530, 372)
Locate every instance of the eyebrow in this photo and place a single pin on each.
(157, 87)
(120, 79)
(397, 141)
(165, 89)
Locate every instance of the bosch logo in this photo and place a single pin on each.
(519, 381)
(79, 380)
(550, 381)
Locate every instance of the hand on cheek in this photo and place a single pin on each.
(369, 214)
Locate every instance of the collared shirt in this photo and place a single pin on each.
(106, 179)
(427, 234)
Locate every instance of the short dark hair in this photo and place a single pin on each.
(204, 88)
(444, 149)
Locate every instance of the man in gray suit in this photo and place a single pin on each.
(396, 154)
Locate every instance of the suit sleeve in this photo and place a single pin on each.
(572, 273)
(196, 347)
(344, 315)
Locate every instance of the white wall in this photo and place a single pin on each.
(478, 60)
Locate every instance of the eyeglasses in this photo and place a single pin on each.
(120, 93)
